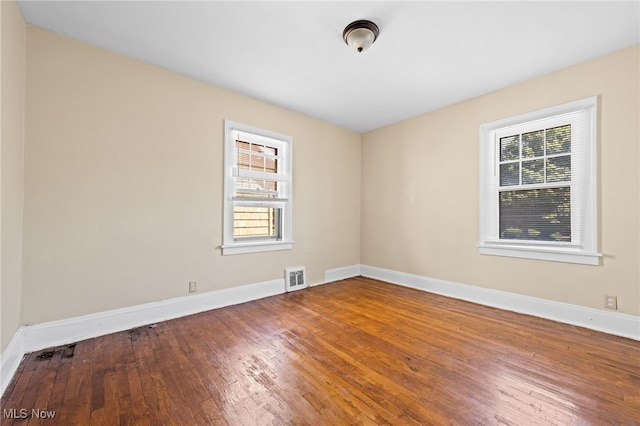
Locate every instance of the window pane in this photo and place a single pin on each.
(559, 169)
(271, 165)
(509, 174)
(559, 140)
(260, 161)
(533, 171)
(269, 150)
(269, 185)
(538, 214)
(255, 222)
(243, 157)
(243, 184)
(533, 144)
(510, 148)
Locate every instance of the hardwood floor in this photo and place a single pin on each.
(359, 351)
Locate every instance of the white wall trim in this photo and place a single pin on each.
(615, 323)
(36, 337)
(55, 333)
(342, 273)
(10, 358)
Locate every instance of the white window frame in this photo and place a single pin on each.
(583, 248)
(284, 144)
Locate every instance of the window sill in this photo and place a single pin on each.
(256, 247)
(567, 255)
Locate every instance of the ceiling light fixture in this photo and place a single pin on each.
(360, 35)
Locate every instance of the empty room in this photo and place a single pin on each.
(320, 213)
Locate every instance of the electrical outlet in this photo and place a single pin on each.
(611, 302)
(193, 286)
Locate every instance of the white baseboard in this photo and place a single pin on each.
(55, 333)
(615, 323)
(337, 274)
(10, 359)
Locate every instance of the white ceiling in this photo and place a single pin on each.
(291, 54)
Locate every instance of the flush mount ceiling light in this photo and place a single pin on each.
(360, 35)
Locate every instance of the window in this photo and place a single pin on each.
(538, 185)
(257, 190)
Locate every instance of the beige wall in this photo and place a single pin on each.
(12, 41)
(123, 187)
(123, 184)
(420, 190)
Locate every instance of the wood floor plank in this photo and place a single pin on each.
(45, 386)
(61, 374)
(358, 351)
(77, 400)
